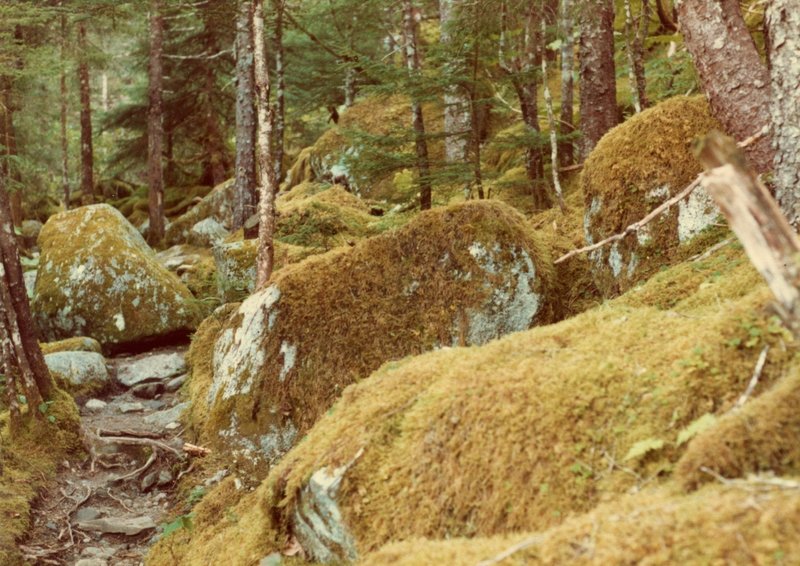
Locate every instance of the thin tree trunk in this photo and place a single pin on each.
(783, 21)
(216, 145)
(87, 152)
(279, 133)
(566, 149)
(731, 71)
(635, 36)
(266, 185)
(667, 23)
(598, 91)
(155, 126)
(64, 139)
(244, 204)
(420, 141)
(9, 141)
(457, 118)
(551, 120)
(475, 124)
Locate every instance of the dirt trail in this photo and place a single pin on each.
(108, 509)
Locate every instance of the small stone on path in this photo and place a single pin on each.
(151, 368)
(95, 405)
(131, 408)
(91, 562)
(148, 390)
(87, 514)
(118, 525)
(176, 383)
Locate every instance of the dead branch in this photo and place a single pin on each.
(194, 450)
(139, 442)
(762, 359)
(150, 461)
(133, 433)
(636, 226)
(527, 543)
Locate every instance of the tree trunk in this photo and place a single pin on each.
(155, 127)
(635, 36)
(667, 24)
(64, 139)
(216, 171)
(414, 70)
(730, 69)
(9, 142)
(457, 118)
(279, 133)
(266, 183)
(87, 153)
(27, 373)
(598, 91)
(783, 21)
(244, 205)
(566, 149)
(551, 122)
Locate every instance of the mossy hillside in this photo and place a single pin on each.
(76, 344)
(463, 274)
(27, 463)
(742, 524)
(97, 277)
(217, 204)
(520, 433)
(634, 168)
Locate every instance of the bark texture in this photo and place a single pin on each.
(266, 183)
(414, 67)
(457, 119)
(244, 205)
(731, 72)
(598, 92)
(64, 109)
(87, 151)
(155, 126)
(567, 124)
(279, 132)
(783, 21)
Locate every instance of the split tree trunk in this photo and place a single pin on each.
(783, 21)
(598, 92)
(266, 183)
(567, 124)
(420, 141)
(768, 239)
(551, 122)
(87, 152)
(457, 120)
(155, 126)
(244, 205)
(733, 76)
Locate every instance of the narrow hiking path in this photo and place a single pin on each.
(107, 509)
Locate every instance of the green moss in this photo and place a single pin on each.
(77, 344)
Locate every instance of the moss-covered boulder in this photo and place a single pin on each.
(97, 277)
(634, 168)
(76, 344)
(216, 205)
(195, 267)
(459, 275)
(80, 373)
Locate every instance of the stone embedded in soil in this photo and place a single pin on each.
(163, 418)
(174, 384)
(91, 562)
(149, 481)
(118, 525)
(131, 408)
(148, 390)
(151, 368)
(87, 514)
(81, 370)
(94, 405)
(164, 478)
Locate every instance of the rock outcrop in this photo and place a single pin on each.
(634, 168)
(97, 277)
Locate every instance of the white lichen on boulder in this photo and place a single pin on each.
(97, 277)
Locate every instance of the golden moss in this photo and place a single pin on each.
(634, 168)
(763, 436)
(216, 204)
(719, 525)
(27, 462)
(76, 344)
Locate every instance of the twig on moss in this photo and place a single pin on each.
(527, 543)
(762, 359)
(636, 226)
(713, 249)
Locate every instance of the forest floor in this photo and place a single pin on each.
(109, 508)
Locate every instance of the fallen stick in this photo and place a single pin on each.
(131, 433)
(139, 442)
(194, 450)
(762, 359)
(636, 226)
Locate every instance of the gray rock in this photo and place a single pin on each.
(118, 525)
(30, 282)
(151, 368)
(162, 418)
(174, 384)
(148, 390)
(216, 478)
(131, 407)
(91, 562)
(149, 481)
(273, 559)
(236, 270)
(94, 551)
(207, 232)
(95, 405)
(164, 478)
(30, 229)
(177, 256)
(85, 370)
(51, 525)
(173, 426)
(87, 514)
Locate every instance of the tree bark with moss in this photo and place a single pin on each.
(244, 204)
(598, 82)
(87, 151)
(155, 126)
(28, 381)
(783, 21)
(731, 72)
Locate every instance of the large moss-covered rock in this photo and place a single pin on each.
(97, 277)
(459, 275)
(216, 205)
(634, 168)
